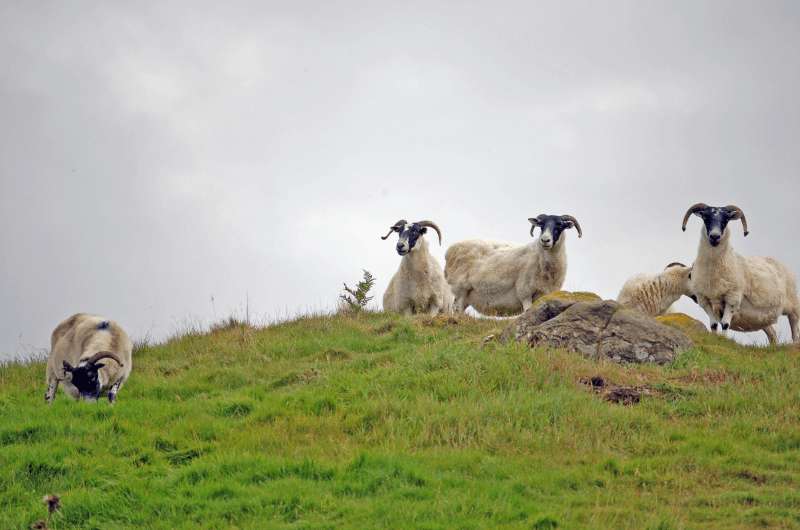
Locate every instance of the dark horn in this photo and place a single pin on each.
(534, 223)
(394, 227)
(104, 354)
(675, 264)
(694, 209)
(575, 222)
(739, 214)
(431, 224)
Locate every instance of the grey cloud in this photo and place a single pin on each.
(155, 155)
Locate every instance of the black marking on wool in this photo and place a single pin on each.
(85, 378)
(410, 233)
(105, 324)
(716, 220)
(556, 224)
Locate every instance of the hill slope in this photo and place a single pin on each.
(383, 421)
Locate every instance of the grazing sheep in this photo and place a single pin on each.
(739, 292)
(504, 279)
(654, 294)
(418, 286)
(78, 344)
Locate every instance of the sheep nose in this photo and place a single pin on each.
(714, 238)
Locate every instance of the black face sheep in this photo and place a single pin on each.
(739, 292)
(89, 355)
(418, 286)
(504, 279)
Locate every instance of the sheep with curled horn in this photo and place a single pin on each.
(504, 279)
(89, 355)
(743, 293)
(418, 286)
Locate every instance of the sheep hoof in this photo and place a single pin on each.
(725, 327)
(714, 327)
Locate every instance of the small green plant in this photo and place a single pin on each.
(357, 299)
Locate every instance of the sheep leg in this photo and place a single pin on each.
(705, 303)
(434, 309)
(729, 308)
(460, 303)
(112, 394)
(793, 323)
(772, 337)
(52, 386)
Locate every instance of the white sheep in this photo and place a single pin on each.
(654, 294)
(504, 279)
(418, 286)
(744, 293)
(78, 344)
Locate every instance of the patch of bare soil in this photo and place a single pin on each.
(620, 394)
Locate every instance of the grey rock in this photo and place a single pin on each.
(601, 329)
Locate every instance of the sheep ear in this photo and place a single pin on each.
(98, 365)
(423, 230)
(67, 366)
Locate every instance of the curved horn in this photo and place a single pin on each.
(739, 214)
(534, 223)
(694, 209)
(102, 355)
(575, 222)
(675, 264)
(431, 224)
(394, 227)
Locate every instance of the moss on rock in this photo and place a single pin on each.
(567, 296)
(682, 322)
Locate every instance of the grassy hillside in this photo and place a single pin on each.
(381, 421)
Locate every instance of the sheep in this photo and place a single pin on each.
(503, 279)
(418, 286)
(654, 294)
(743, 293)
(78, 344)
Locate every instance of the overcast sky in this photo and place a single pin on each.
(156, 156)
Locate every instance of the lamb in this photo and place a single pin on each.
(503, 279)
(418, 286)
(737, 292)
(78, 344)
(654, 294)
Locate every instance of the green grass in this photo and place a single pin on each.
(381, 421)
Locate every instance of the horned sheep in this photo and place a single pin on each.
(78, 345)
(654, 294)
(743, 293)
(504, 279)
(418, 286)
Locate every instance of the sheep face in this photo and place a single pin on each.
(85, 378)
(409, 234)
(683, 276)
(551, 228)
(715, 220)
